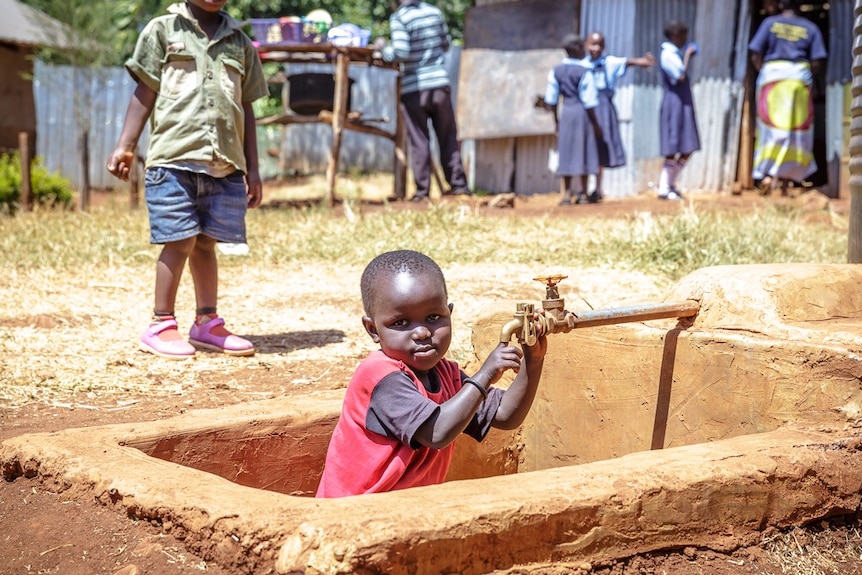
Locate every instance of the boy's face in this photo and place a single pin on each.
(411, 320)
(209, 5)
(595, 46)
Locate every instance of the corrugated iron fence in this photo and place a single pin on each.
(70, 99)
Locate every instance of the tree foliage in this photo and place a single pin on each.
(111, 27)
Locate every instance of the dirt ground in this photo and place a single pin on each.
(309, 339)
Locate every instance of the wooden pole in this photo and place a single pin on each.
(84, 198)
(400, 161)
(26, 164)
(743, 168)
(854, 233)
(339, 113)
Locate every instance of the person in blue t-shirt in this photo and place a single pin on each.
(787, 50)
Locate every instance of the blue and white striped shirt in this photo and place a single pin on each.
(419, 37)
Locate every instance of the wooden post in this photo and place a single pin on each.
(84, 198)
(399, 166)
(26, 164)
(854, 233)
(743, 168)
(339, 113)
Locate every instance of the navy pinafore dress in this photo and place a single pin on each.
(576, 140)
(677, 121)
(611, 152)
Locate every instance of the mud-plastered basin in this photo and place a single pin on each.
(651, 435)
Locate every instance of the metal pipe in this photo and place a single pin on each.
(593, 318)
(526, 324)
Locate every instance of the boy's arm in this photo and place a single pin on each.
(140, 107)
(456, 413)
(518, 399)
(252, 176)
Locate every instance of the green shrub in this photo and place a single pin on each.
(10, 181)
(48, 189)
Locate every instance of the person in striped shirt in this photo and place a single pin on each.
(419, 39)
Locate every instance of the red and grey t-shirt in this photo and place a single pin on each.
(372, 448)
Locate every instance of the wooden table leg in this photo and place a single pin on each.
(339, 114)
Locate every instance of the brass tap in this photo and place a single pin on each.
(529, 323)
(523, 325)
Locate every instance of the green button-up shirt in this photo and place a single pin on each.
(198, 116)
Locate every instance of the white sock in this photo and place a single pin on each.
(664, 180)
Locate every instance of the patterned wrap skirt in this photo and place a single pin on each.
(784, 141)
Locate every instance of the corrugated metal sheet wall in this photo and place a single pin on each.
(104, 97)
(838, 77)
(632, 27)
(637, 27)
(65, 97)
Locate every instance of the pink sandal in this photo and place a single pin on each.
(201, 336)
(168, 347)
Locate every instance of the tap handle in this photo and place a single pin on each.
(551, 282)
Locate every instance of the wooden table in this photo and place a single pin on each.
(342, 58)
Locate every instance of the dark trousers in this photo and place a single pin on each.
(434, 105)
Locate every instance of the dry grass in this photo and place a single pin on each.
(75, 288)
(816, 550)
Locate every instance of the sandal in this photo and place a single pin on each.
(202, 337)
(163, 339)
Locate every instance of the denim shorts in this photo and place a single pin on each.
(183, 204)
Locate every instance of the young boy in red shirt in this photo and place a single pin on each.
(406, 403)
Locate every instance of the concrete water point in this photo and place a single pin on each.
(701, 431)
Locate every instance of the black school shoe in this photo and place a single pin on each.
(596, 197)
(583, 199)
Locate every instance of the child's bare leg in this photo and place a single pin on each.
(209, 331)
(598, 189)
(169, 271)
(582, 197)
(203, 265)
(162, 336)
(566, 190)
